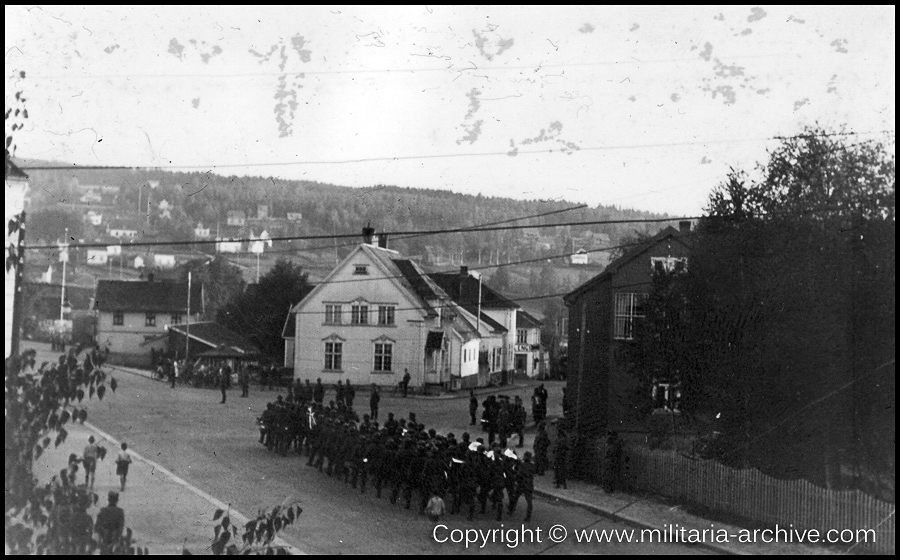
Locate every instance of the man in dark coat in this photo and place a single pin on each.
(374, 399)
(541, 449)
(525, 487)
(561, 461)
(349, 394)
(319, 392)
(473, 407)
(223, 382)
(110, 523)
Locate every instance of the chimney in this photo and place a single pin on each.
(684, 226)
(463, 272)
(150, 277)
(382, 240)
(368, 234)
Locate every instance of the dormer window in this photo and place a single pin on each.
(361, 269)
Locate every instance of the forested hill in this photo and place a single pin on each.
(328, 209)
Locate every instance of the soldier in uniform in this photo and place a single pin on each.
(541, 449)
(525, 485)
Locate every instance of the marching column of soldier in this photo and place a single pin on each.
(399, 457)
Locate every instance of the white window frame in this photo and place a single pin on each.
(149, 319)
(384, 352)
(625, 305)
(361, 269)
(334, 353)
(386, 315)
(333, 313)
(359, 314)
(668, 264)
(118, 318)
(521, 336)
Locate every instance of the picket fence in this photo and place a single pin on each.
(752, 495)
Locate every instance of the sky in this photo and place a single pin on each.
(641, 107)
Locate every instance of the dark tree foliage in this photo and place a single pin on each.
(788, 337)
(259, 312)
(258, 535)
(222, 281)
(49, 224)
(40, 518)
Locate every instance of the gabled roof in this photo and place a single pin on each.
(156, 296)
(405, 274)
(614, 266)
(464, 291)
(221, 340)
(525, 320)
(289, 330)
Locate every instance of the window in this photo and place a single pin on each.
(666, 397)
(383, 353)
(361, 269)
(385, 315)
(150, 320)
(333, 352)
(629, 307)
(668, 264)
(521, 336)
(118, 318)
(359, 314)
(176, 318)
(333, 314)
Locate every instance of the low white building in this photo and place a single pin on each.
(164, 261)
(580, 257)
(201, 232)
(97, 257)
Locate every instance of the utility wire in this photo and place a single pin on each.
(442, 156)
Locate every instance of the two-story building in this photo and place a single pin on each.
(377, 315)
(603, 313)
(132, 315)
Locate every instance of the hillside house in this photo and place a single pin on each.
(602, 315)
(579, 257)
(97, 257)
(237, 218)
(94, 218)
(201, 232)
(378, 314)
(132, 315)
(529, 355)
(295, 216)
(164, 262)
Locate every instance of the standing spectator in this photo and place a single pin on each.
(561, 461)
(223, 383)
(319, 391)
(406, 380)
(110, 523)
(72, 470)
(473, 407)
(542, 402)
(374, 399)
(519, 418)
(339, 393)
(541, 448)
(612, 469)
(89, 460)
(349, 394)
(123, 461)
(173, 373)
(81, 527)
(245, 384)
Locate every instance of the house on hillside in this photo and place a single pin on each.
(123, 230)
(378, 314)
(164, 262)
(132, 315)
(237, 218)
(602, 316)
(94, 218)
(97, 257)
(201, 232)
(579, 257)
(295, 216)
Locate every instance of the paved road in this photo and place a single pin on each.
(214, 447)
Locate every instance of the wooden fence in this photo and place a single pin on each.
(752, 495)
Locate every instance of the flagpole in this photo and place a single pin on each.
(62, 295)
(187, 323)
